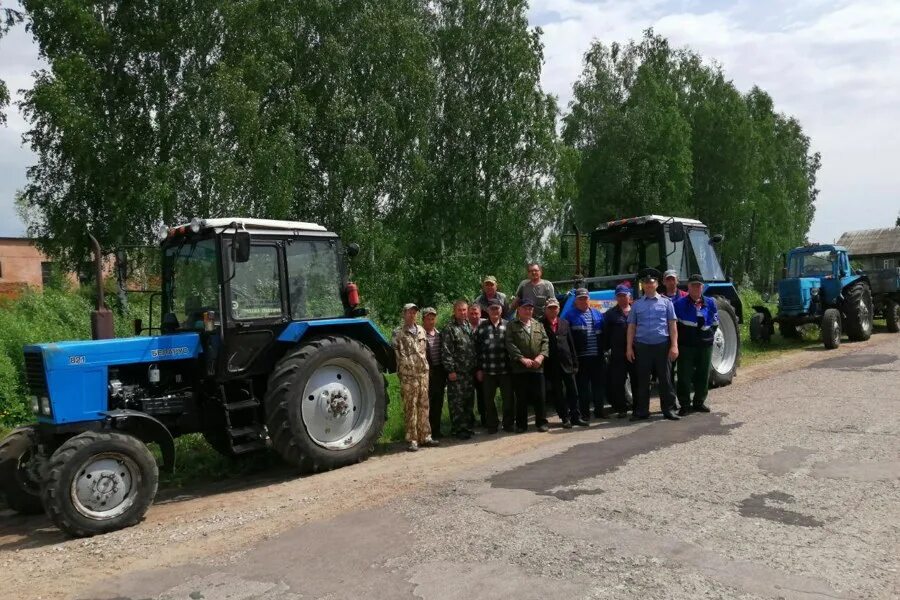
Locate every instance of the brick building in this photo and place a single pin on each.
(22, 264)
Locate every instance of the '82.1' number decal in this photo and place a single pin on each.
(76, 360)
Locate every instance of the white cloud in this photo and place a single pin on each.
(833, 65)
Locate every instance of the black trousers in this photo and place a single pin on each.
(617, 370)
(564, 401)
(529, 388)
(437, 382)
(489, 388)
(590, 385)
(650, 358)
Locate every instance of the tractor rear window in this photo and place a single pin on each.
(314, 279)
(255, 289)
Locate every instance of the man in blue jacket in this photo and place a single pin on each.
(698, 319)
(586, 324)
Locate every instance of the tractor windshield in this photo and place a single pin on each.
(705, 256)
(811, 264)
(191, 281)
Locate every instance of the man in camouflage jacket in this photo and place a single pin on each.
(458, 356)
(412, 370)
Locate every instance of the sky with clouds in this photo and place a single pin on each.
(835, 65)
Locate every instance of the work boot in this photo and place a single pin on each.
(621, 415)
(670, 417)
(682, 411)
(701, 408)
(581, 423)
(413, 447)
(567, 424)
(543, 428)
(430, 442)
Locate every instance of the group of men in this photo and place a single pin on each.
(527, 350)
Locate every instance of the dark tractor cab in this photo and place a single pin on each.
(618, 250)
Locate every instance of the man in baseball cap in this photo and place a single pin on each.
(586, 323)
(615, 333)
(410, 347)
(670, 282)
(490, 291)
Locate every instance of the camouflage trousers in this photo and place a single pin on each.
(414, 392)
(461, 400)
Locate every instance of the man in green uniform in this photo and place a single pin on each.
(458, 356)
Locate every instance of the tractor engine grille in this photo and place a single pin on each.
(35, 376)
(790, 296)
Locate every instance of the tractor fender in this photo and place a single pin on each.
(145, 428)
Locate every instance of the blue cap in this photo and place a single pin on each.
(623, 289)
(526, 302)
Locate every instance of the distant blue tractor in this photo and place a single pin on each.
(261, 343)
(819, 288)
(620, 249)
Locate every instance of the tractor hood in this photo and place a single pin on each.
(68, 380)
(795, 295)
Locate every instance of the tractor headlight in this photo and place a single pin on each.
(814, 292)
(45, 406)
(35, 405)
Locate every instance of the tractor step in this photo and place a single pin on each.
(255, 431)
(242, 404)
(249, 446)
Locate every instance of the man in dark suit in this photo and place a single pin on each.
(561, 366)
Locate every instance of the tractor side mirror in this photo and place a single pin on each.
(352, 249)
(716, 239)
(240, 247)
(676, 232)
(564, 250)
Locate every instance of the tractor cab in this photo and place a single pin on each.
(619, 250)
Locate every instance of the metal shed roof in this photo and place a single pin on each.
(868, 242)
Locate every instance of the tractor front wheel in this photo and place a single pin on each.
(858, 311)
(759, 331)
(831, 328)
(99, 482)
(892, 315)
(726, 354)
(325, 404)
(18, 476)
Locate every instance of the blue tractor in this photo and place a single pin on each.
(819, 287)
(261, 343)
(620, 249)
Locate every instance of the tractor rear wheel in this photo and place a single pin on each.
(892, 315)
(759, 332)
(831, 328)
(726, 354)
(99, 482)
(789, 332)
(18, 477)
(325, 404)
(858, 312)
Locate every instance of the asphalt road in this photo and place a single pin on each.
(789, 489)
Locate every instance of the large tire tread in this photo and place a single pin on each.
(892, 316)
(851, 322)
(13, 446)
(718, 379)
(307, 457)
(55, 490)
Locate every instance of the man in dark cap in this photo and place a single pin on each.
(698, 318)
(528, 348)
(615, 335)
(651, 344)
(586, 323)
(493, 367)
(561, 366)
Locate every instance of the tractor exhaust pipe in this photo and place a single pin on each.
(102, 327)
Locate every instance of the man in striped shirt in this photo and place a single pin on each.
(437, 376)
(587, 324)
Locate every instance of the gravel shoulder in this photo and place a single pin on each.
(217, 525)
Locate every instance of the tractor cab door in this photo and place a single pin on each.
(255, 307)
